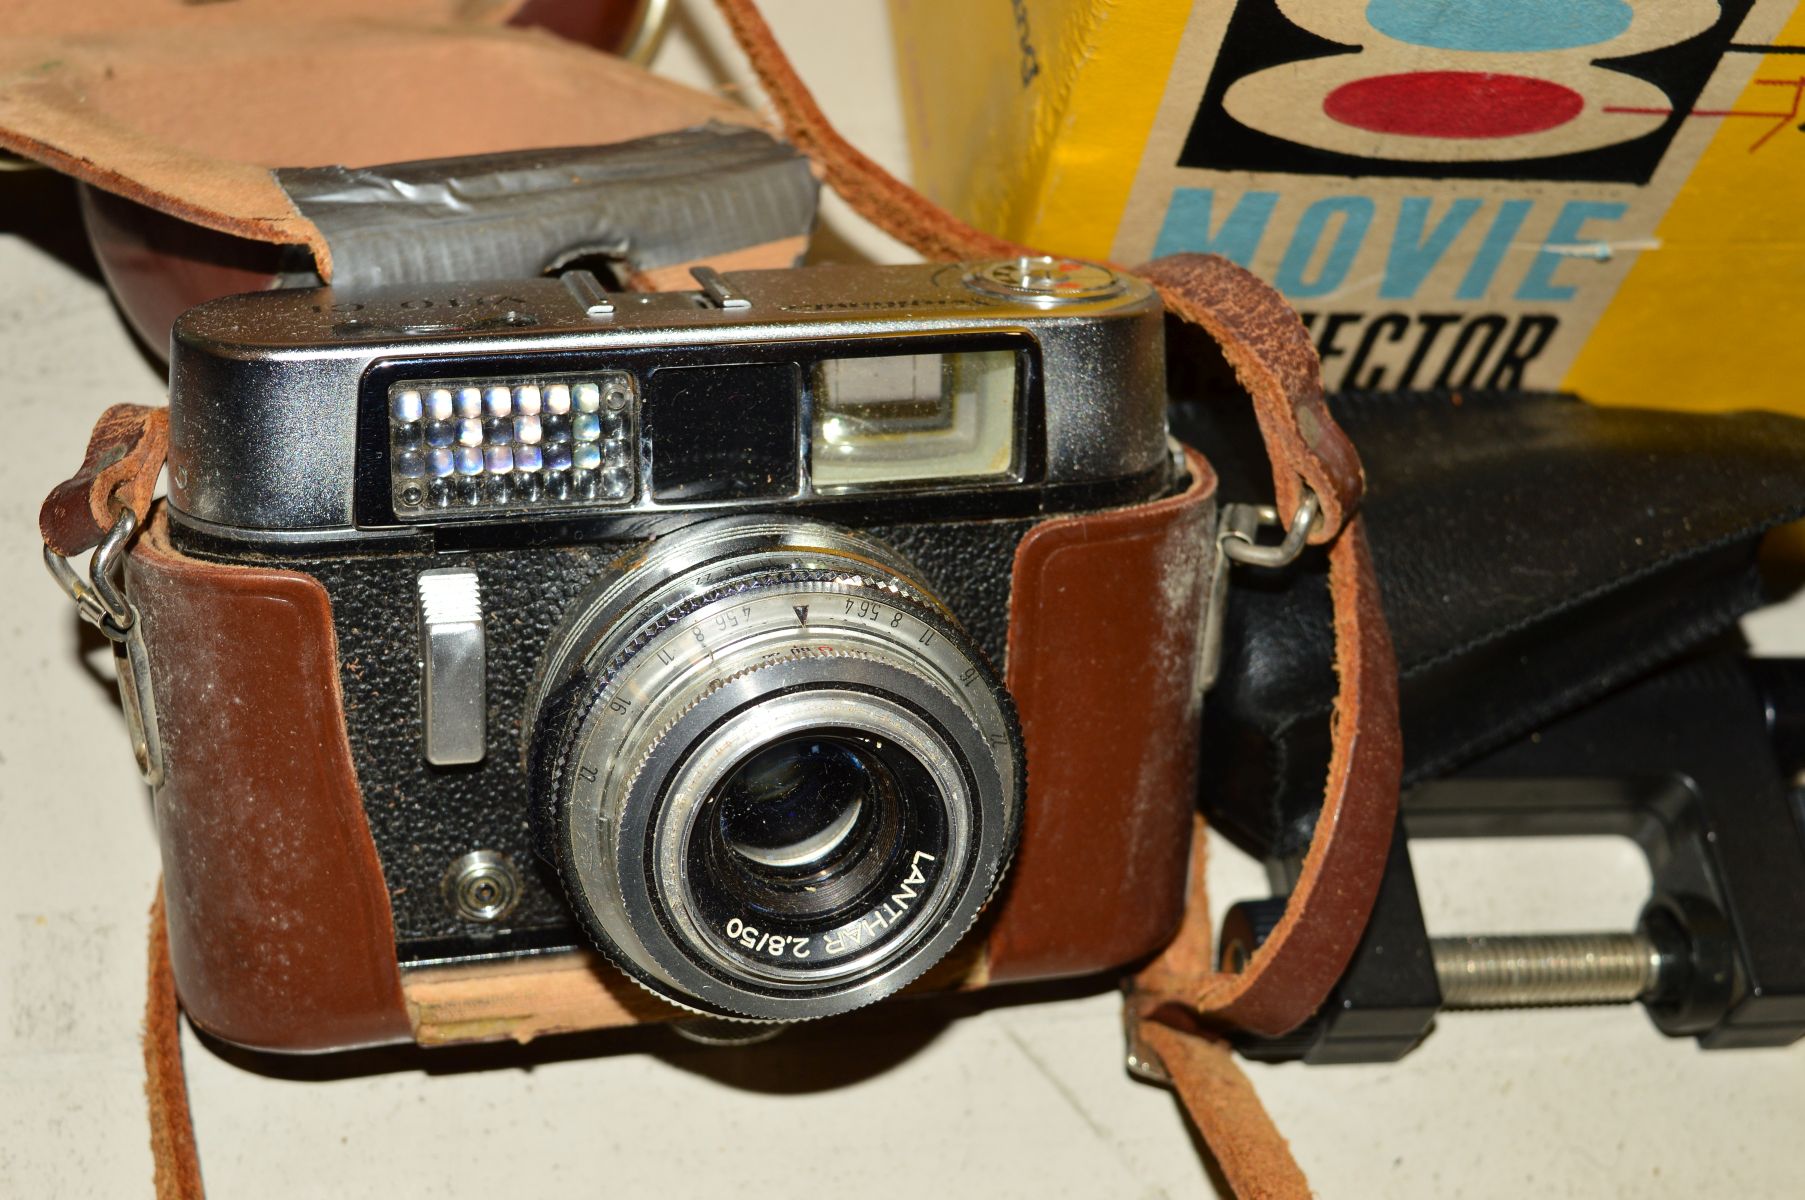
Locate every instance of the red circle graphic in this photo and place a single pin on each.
(1453, 104)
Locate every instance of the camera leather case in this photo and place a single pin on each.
(301, 857)
(255, 506)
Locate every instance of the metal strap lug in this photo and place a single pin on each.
(99, 598)
(131, 662)
(1239, 544)
(1142, 1063)
(1237, 530)
(101, 601)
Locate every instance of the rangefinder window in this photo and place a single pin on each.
(914, 417)
(511, 444)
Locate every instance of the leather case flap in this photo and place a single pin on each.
(186, 108)
(1533, 552)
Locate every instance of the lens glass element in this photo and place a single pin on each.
(811, 833)
(790, 808)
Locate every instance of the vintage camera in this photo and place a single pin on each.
(745, 634)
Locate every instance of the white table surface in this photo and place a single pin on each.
(1012, 1095)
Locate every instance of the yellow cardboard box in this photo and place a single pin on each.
(1596, 195)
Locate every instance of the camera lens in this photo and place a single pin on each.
(777, 779)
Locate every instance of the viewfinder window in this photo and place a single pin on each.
(881, 421)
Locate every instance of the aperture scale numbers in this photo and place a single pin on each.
(709, 628)
(758, 940)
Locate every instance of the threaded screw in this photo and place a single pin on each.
(1524, 970)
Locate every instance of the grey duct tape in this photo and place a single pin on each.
(650, 203)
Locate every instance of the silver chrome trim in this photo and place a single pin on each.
(718, 290)
(264, 387)
(653, 813)
(1044, 279)
(454, 701)
(661, 576)
(588, 291)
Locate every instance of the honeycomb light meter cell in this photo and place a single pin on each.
(503, 444)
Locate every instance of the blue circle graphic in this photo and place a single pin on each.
(1519, 26)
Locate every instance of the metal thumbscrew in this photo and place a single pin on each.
(1505, 970)
(481, 886)
(1525, 970)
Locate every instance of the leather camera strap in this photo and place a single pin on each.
(1180, 1000)
(175, 1160)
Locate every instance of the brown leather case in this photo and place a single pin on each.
(1105, 611)
(279, 920)
(279, 923)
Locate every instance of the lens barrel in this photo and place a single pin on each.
(777, 779)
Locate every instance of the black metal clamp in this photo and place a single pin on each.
(1703, 766)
